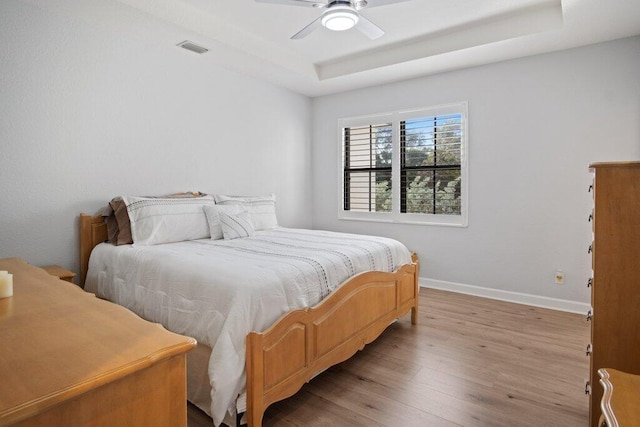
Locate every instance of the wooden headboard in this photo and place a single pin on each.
(93, 230)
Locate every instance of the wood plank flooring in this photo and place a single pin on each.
(470, 361)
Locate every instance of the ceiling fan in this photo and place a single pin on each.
(338, 15)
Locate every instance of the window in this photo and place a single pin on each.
(367, 168)
(407, 166)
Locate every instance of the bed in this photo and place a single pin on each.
(280, 354)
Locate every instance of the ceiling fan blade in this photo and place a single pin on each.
(376, 3)
(307, 30)
(304, 3)
(368, 28)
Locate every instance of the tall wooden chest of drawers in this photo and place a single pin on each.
(615, 284)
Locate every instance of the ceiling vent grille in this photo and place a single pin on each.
(193, 47)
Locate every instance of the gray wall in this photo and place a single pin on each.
(94, 108)
(535, 124)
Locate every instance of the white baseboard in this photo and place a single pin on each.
(516, 297)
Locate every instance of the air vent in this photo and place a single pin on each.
(193, 47)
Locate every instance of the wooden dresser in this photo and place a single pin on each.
(68, 358)
(615, 284)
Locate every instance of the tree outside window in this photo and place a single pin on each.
(407, 164)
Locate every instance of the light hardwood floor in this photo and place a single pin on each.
(470, 361)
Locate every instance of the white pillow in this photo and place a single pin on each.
(236, 225)
(213, 218)
(262, 209)
(166, 220)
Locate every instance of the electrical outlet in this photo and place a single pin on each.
(559, 279)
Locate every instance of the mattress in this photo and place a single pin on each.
(217, 291)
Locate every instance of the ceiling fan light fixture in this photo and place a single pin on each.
(340, 18)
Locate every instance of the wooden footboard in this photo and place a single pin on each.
(305, 342)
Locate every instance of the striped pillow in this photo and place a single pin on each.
(213, 218)
(262, 209)
(117, 217)
(155, 221)
(236, 225)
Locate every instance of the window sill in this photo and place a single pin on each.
(388, 219)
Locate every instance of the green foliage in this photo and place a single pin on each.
(427, 191)
(420, 196)
(383, 196)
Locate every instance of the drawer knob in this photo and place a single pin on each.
(588, 350)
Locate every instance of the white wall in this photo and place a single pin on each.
(96, 101)
(535, 124)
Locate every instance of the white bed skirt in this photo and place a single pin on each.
(199, 389)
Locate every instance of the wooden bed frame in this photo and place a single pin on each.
(304, 342)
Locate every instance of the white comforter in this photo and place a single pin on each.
(217, 291)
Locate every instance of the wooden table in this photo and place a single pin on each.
(69, 358)
(621, 399)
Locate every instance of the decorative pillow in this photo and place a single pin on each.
(165, 220)
(213, 218)
(262, 209)
(236, 225)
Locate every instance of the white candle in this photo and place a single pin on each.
(6, 284)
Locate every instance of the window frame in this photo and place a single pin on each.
(395, 216)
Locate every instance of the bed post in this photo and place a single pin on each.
(93, 230)
(255, 379)
(414, 309)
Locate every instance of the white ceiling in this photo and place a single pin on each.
(421, 36)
